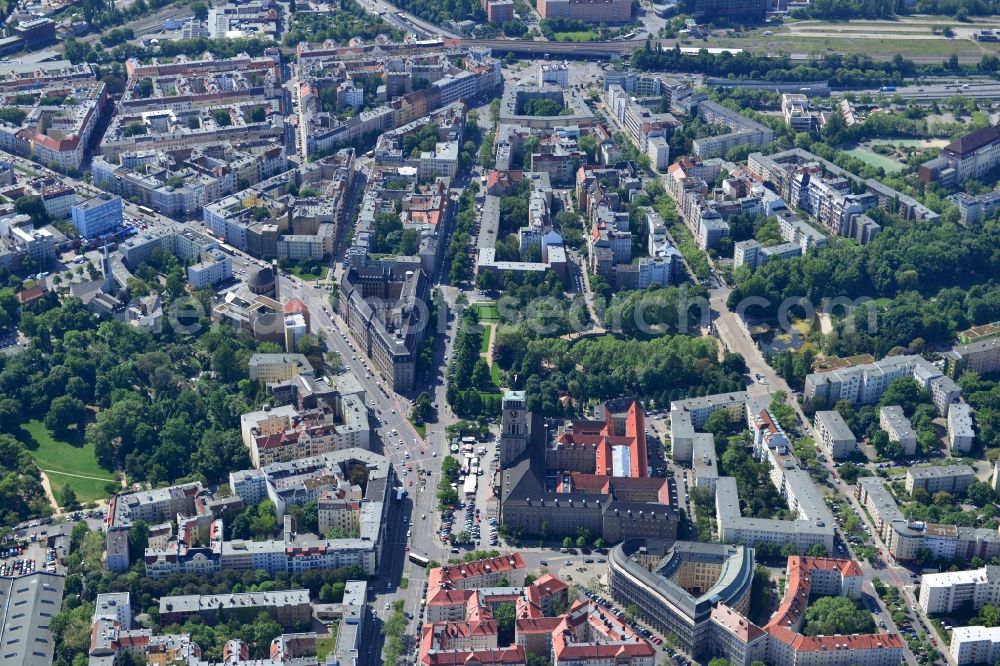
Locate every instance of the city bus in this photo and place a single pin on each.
(420, 560)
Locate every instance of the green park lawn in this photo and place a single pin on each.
(308, 275)
(484, 346)
(69, 463)
(575, 36)
(487, 312)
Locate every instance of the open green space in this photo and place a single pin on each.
(495, 375)
(64, 462)
(326, 644)
(576, 36)
(874, 159)
(487, 312)
(809, 43)
(308, 275)
(484, 346)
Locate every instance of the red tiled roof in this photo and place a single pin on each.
(293, 306)
(853, 642)
(449, 575)
(736, 623)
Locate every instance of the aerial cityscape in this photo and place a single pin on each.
(499, 333)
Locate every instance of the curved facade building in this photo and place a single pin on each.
(678, 583)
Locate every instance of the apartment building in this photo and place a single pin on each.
(893, 420)
(864, 384)
(947, 592)
(973, 209)
(961, 434)
(980, 356)
(641, 122)
(53, 133)
(554, 73)
(442, 162)
(212, 270)
(733, 11)
(795, 108)
(321, 477)
(823, 188)
(465, 74)
(834, 435)
(803, 533)
(590, 11)
(271, 368)
(179, 183)
(461, 628)
(787, 646)
(954, 479)
(286, 607)
(643, 85)
(688, 416)
(814, 523)
(159, 505)
(499, 11)
(745, 131)
(114, 640)
(905, 537)
(188, 552)
(974, 645)
(280, 434)
(281, 225)
(23, 246)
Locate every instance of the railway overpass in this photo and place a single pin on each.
(575, 50)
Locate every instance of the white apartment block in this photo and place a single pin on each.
(442, 162)
(658, 151)
(687, 416)
(864, 384)
(795, 108)
(975, 645)
(946, 592)
(892, 419)
(554, 73)
(212, 271)
(834, 435)
(961, 434)
(933, 478)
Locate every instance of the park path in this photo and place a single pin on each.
(48, 490)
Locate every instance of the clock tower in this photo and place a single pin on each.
(513, 427)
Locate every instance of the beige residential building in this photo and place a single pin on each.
(933, 478)
(269, 368)
(892, 419)
(834, 435)
(961, 435)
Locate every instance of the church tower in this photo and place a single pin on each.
(513, 427)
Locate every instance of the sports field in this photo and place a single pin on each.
(868, 157)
